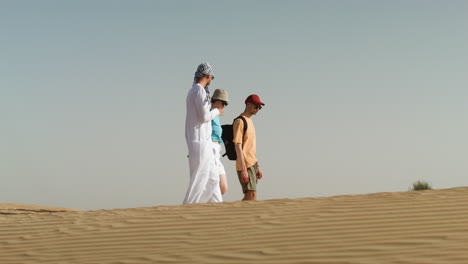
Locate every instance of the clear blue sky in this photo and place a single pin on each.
(361, 96)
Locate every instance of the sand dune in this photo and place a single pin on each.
(405, 227)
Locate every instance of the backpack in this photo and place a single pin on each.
(228, 136)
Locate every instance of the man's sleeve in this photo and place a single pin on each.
(203, 114)
(238, 129)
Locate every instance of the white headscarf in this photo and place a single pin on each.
(204, 69)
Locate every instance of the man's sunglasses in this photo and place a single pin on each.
(258, 107)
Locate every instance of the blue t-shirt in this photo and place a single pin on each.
(217, 130)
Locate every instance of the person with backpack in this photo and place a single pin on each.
(219, 100)
(204, 177)
(244, 140)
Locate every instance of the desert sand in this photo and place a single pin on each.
(402, 227)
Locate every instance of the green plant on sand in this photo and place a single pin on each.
(421, 185)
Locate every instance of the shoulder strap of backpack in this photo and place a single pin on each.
(245, 122)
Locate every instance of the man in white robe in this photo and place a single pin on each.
(204, 177)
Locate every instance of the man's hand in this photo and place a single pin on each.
(259, 173)
(245, 176)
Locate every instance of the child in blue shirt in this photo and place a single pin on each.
(219, 100)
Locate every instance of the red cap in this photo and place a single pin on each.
(254, 99)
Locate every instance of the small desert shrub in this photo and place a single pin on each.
(421, 185)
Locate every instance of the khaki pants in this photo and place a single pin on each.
(253, 179)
